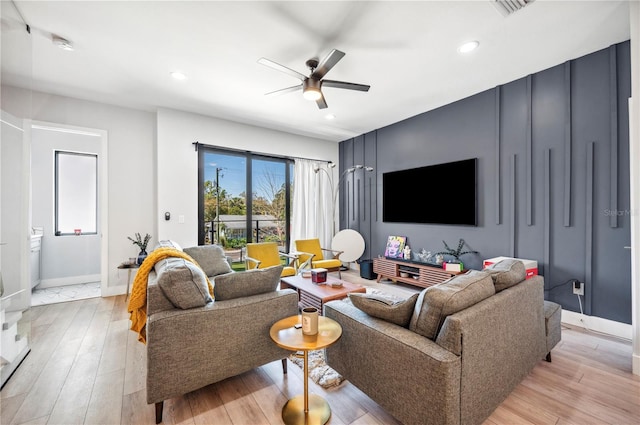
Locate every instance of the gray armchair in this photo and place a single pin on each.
(189, 348)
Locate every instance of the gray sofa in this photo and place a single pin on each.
(193, 342)
(453, 354)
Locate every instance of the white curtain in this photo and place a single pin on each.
(312, 203)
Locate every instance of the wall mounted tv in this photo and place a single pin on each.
(435, 194)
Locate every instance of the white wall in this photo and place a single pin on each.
(130, 174)
(177, 162)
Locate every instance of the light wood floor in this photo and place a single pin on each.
(85, 366)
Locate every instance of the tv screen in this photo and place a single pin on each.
(435, 194)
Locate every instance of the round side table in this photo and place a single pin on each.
(305, 409)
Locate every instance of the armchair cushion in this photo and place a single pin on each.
(243, 284)
(211, 258)
(386, 308)
(506, 273)
(267, 254)
(437, 302)
(184, 284)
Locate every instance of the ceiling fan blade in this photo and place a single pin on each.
(327, 63)
(285, 90)
(322, 104)
(345, 85)
(281, 68)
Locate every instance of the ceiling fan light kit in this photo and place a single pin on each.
(312, 85)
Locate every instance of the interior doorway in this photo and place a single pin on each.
(69, 212)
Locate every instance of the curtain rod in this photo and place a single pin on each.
(198, 144)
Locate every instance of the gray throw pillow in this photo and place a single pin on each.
(243, 284)
(506, 273)
(184, 284)
(386, 308)
(435, 303)
(211, 258)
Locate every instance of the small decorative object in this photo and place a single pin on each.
(453, 266)
(142, 244)
(439, 258)
(77, 232)
(309, 321)
(424, 256)
(407, 253)
(395, 247)
(455, 253)
(319, 275)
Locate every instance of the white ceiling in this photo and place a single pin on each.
(406, 51)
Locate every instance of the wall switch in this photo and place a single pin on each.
(180, 219)
(578, 287)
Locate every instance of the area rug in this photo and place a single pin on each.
(319, 371)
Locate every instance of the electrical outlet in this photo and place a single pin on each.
(578, 287)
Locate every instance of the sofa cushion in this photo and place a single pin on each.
(385, 307)
(184, 284)
(506, 273)
(242, 284)
(435, 303)
(211, 258)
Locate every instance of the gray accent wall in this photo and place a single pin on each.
(552, 182)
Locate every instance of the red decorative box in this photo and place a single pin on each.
(318, 275)
(531, 266)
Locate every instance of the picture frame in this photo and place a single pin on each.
(395, 246)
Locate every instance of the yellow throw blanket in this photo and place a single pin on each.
(138, 301)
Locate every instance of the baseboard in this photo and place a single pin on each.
(597, 324)
(112, 291)
(71, 280)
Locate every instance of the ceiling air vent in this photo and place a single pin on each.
(507, 7)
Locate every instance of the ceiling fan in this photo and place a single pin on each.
(311, 86)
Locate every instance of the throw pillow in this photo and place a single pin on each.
(211, 258)
(242, 284)
(435, 303)
(386, 308)
(506, 273)
(184, 284)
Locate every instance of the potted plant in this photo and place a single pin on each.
(456, 254)
(142, 244)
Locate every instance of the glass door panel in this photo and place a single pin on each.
(223, 202)
(269, 202)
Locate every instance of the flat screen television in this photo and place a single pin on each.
(435, 194)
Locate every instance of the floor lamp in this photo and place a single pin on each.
(349, 241)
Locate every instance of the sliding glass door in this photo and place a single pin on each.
(228, 216)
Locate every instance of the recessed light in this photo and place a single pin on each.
(330, 117)
(62, 43)
(468, 46)
(179, 75)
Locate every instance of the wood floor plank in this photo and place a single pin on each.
(266, 393)
(239, 402)
(9, 406)
(207, 407)
(105, 405)
(114, 353)
(135, 364)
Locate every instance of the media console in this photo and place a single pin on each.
(410, 272)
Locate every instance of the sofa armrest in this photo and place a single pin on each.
(384, 360)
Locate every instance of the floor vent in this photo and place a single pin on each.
(507, 7)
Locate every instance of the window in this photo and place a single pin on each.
(230, 218)
(76, 190)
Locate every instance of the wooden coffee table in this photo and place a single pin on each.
(316, 294)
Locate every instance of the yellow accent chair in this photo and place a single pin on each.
(266, 254)
(311, 253)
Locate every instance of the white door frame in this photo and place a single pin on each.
(103, 192)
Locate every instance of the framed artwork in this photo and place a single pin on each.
(395, 247)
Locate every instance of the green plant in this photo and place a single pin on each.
(142, 243)
(456, 253)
